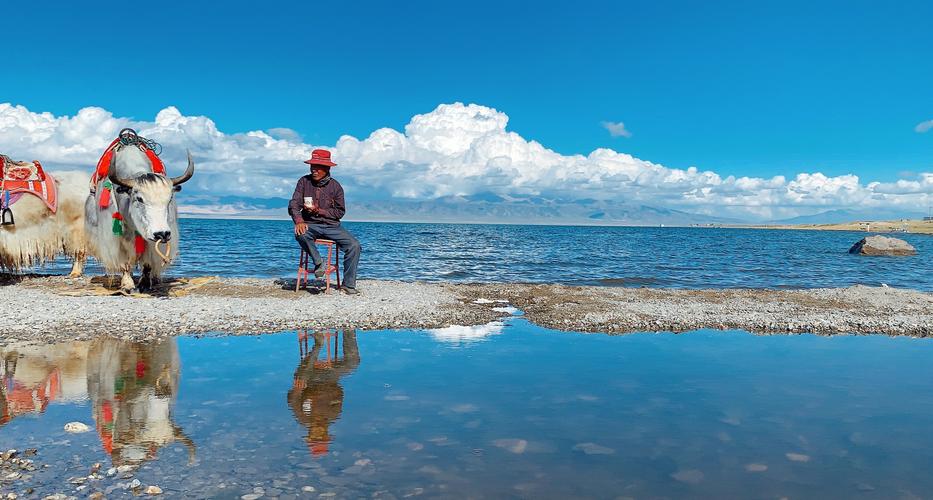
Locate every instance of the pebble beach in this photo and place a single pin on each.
(38, 309)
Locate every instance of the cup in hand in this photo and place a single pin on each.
(309, 202)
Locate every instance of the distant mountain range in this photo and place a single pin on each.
(847, 215)
(482, 208)
(491, 208)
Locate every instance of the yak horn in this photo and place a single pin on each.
(188, 172)
(113, 178)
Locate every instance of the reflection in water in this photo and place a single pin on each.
(132, 389)
(35, 376)
(131, 386)
(316, 396)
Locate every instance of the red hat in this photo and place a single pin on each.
(320, 157)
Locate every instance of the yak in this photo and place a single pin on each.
(39, 235)
(145, 204)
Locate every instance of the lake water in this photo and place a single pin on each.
(612, 256)
(506, 410)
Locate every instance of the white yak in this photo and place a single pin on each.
(146, 202)
(39, 235)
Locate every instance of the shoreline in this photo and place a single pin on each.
(912, 226)
(56, 308)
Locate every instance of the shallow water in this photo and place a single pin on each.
(612, 256)
(502, 410)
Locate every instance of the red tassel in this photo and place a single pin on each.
(140, 245)
(105, 197)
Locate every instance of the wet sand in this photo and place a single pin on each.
(36, 308)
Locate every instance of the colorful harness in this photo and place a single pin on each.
(126, 138)
(20, 178)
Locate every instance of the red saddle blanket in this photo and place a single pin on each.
(20, 177)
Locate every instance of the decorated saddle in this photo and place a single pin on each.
(19, 178)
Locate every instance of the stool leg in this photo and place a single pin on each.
(301, 261)
(327, 278)
(330, 251)
(337, 269)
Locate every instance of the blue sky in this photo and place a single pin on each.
(740, 88)
(747, 88)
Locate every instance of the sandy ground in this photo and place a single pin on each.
(56, 308)
(857, 309)
(912, 226)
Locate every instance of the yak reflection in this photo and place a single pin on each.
(131, 386)
(132, 389)
(33, 377)
(316, 396)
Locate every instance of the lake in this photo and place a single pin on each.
(504, 410)
(576, 255)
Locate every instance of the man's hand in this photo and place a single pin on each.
(300, 228)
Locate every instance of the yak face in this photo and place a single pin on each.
(149, 206)
(150, 198)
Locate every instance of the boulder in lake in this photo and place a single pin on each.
(882, 245)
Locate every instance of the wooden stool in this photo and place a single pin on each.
(331, 265)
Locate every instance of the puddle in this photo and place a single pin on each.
(508, 409)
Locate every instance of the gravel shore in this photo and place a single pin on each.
(853, 310)
(36, 309)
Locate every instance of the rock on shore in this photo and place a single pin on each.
(883, 245)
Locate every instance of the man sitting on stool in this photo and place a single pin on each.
(317, 207)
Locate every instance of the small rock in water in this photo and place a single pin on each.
(307, 489)
(797, 457)
(690, 476)
(517, 446)
(135, 484)
(153, 490)
(76, 427)
(251, 496)
(882, 245)
(95, 496)
(112, 471)
(593, 449)
(756, 467)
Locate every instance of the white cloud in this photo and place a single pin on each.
(616, 129)
(924, 126)
(455, 149)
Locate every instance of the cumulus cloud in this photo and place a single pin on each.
(924, 126)
(616, 129)
(454, 150)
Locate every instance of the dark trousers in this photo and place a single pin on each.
(345, 241)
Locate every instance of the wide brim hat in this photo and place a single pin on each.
(320, 157)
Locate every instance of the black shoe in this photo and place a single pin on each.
(349, 291)
(319, 270)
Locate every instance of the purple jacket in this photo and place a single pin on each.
(328, 197)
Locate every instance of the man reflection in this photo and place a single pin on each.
(316, 397)
(132, 388)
